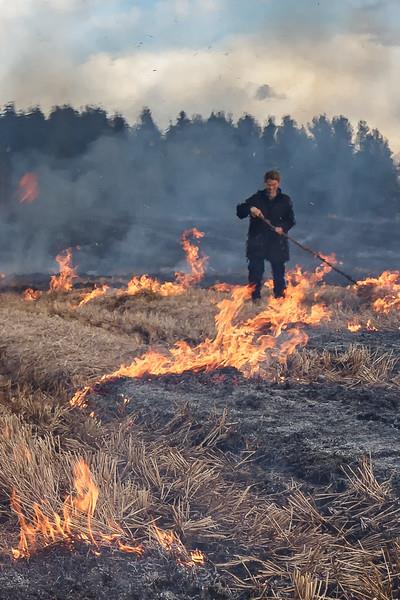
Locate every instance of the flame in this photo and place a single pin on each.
(147, 283)
(370, 326)
(64, 281)
(273, 334)
(387, 304)
(130, 549)
(222, 287)
(31, 295)
(87, 494)
(79, 398)
(28, 188)
(182, 281)
(168, 540)
(197, 557)
(196, 263)
(353, 327)
(171, 543)
(95, 293)
(385, 291)
(75, 523)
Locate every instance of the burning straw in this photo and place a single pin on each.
(272, 335)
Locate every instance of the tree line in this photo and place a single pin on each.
(198, 166)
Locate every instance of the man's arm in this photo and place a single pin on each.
(289, 220)
(243, 210)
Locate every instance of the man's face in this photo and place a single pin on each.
(271, 186)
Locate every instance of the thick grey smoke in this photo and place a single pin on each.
(128, 197)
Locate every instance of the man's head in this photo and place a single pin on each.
(272, 180)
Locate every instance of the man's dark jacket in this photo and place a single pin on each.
(263, 241)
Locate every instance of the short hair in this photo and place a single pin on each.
(272, 175)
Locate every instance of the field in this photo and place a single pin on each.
(257, 459)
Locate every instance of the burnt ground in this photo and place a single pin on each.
(57, 573)
(303, 431)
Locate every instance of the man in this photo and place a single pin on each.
(264, 242)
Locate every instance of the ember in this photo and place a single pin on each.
(28, 188)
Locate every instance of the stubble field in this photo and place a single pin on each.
(235, 477)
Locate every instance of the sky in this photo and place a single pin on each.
(263, 57)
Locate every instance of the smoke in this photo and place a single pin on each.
(126, 198)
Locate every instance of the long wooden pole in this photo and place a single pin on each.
(310, 250)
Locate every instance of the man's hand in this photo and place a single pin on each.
(255, 212)
(279, 230)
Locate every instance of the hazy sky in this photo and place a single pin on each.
(297, 57)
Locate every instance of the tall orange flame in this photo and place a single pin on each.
(182, 281)
(64, 281)
(196, 263)
(28, 188)
(74, 524)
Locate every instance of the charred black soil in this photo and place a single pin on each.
(303, 431)
(57, 573)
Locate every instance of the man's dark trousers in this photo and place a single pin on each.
(256, 272)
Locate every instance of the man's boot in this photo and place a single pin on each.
(279, 293)
(256, 271)
(256, 294)
(278, 273)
